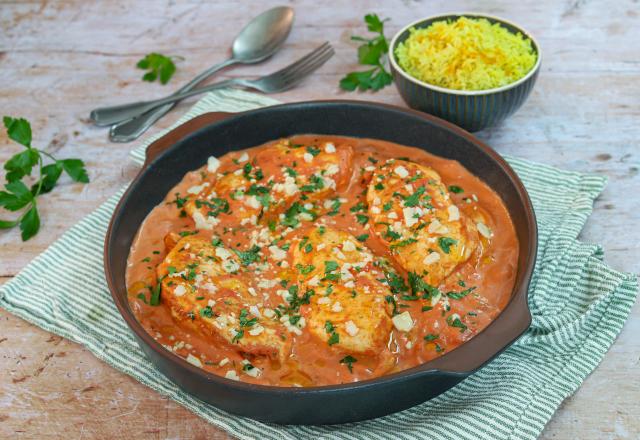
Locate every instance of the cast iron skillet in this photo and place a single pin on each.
(188, 147)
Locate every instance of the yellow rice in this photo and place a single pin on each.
(466, 54)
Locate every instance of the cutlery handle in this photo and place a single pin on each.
(111, 115)
(131, 129)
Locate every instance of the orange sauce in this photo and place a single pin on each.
(491, 270)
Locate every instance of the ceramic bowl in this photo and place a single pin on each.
(471, 110)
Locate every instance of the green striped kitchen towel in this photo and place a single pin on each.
(579, 306)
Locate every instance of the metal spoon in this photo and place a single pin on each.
(257, 41)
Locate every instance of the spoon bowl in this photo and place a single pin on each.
(263, 36)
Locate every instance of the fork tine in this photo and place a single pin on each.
(293, 70)
(326, 52)
(310, 66)
(303, 60)
(291, 80)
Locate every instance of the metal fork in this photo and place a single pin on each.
(279, 81)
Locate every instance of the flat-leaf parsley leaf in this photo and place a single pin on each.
(158, 66)
(372, 52)
(17, 195)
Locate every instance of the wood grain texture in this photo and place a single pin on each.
(59, 59)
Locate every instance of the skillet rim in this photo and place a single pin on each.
(517, 305)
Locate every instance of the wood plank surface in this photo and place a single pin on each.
(59, 59)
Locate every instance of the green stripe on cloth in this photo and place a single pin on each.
(579, 306)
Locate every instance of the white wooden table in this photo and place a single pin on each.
(59, 59)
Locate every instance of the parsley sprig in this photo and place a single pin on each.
(158, 66)
(373, 52)
(18, 196)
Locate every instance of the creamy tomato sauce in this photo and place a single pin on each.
(440, 318)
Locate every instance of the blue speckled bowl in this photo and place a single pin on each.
(471, 110)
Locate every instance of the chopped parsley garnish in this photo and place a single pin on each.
(445, 243)
(362, 219)
(256, 190)
(316, 184)
(239, 334)
(349, 361)
(391, 234)
(244, 322)
(414, 198)
(461, 294)
(334, 337)
(248, 257)
(216, 241)
(455, 189)
(206, 312)
(335, 207)
(246, 169)
(328, 326)
(418, 285)
(313, 150)
(430, 337)
(387, 206)
(391, 300)
(291, 215)
(246, 172)
(247, 367)
(187, 233)
(360, 206)
(291, 172)
(216, 206)
(454, 321)
(304, 270)
(396, 282)
(155, 294)
(264, 200)
(362, 237)
(146, 260)
(403, 243)
(379, 186)
(330, 266)
(296, 301)
(373, 160)
(179, 201)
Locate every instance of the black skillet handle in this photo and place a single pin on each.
(181, 131)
